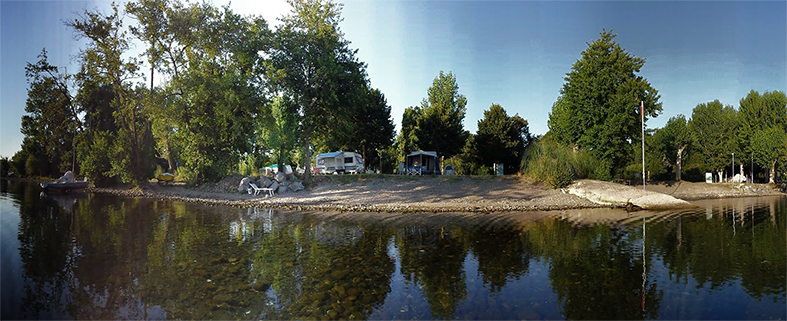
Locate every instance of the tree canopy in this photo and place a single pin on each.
(599, 104)
(712, 125)
(501, 138)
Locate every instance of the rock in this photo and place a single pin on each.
(296, 186)
(244, 184)
(265, 182)
(280, 177)
(607, 193)
(282, 189)
(274, 185)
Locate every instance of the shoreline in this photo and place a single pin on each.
(410, 194)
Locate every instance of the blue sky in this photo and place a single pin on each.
(513, 53)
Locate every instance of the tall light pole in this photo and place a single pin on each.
(642, 114)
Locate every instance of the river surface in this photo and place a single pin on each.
(84, 256)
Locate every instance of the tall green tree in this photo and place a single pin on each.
(281, 127)
(373, 126)
(712, 127)
(407, 140)
(51, 123)
(758, 113)
(103, 58)
(770, 147)
(502, 138)
(311, 60)
(674, 139)
(599, 105)
(440, 125)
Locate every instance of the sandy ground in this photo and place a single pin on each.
(406, 194)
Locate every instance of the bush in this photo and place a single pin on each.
(557, 166)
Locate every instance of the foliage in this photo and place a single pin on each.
(672, 141)
(311, 61)
(546, 160)
(501, 138)
(598, 108)
(437, 124)
(770, 147)
(757, 113)
(712, 127)
(102, 59)
(5, 166)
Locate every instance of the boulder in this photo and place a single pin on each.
(265, 182)
(274, 185)
(244, 184)
(280, 177)
(282, 189)
(296, 186)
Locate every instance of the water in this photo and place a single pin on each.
(87, 256)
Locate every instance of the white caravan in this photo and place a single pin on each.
(339, 163)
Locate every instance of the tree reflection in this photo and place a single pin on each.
(434, 258)
(595, 271)
(502, 254)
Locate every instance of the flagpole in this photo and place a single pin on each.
(642, 114)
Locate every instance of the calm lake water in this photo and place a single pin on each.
(86, 256)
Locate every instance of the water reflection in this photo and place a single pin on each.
(88, 257)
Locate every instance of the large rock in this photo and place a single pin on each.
(280, 177)
(296, 186)
(282, 189)
(244, 184)
(274, 185)
(265, 182)
(607, 193)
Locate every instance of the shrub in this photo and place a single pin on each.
(557, 166)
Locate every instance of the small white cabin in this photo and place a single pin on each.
(339, 163)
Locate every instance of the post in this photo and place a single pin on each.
(642, 114)
(733, 166)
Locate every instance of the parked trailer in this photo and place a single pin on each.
(340, 163)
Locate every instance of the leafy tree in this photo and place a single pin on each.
(281, 127)
(770, 147)
(132, 146)
(407, 140)
(712, 127)
(51, 121)
(501, 138)
(374, 126)
(760, 112)
(311, 60)
(439, 126)
(599, 105)
(673, 140)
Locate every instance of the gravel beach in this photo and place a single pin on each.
(406, 194)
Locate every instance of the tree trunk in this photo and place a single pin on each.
(170, 157)
(721, 173)
(307, 157)
(772, 172)
(679, 163)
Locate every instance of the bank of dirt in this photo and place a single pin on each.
(405, 194)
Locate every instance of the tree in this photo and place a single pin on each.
(712, 127)
(374, 128)
(281, 127)
(757, 113)
(51, 122)
(311, 60)
(673, 140)
(501, 138)
(770, 147)
(598, 109)
(439, 126)
(407, 140)
(103, 60)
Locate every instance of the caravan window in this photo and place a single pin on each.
(321, 161)
(348, 160)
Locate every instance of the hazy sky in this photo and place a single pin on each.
(513, 53)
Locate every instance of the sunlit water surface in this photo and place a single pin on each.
(83, 256)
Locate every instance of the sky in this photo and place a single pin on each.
(512, 53)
